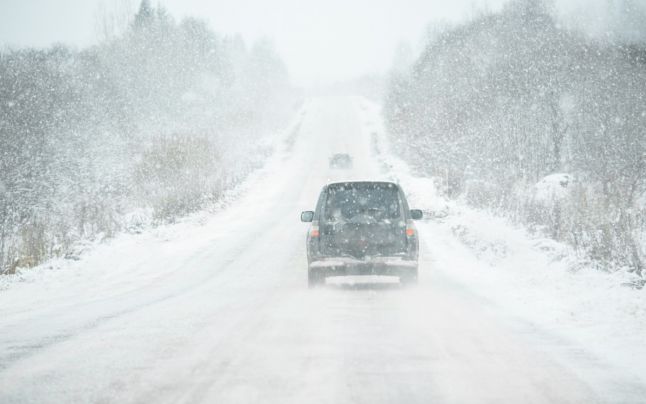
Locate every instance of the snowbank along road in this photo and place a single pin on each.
(219, 312)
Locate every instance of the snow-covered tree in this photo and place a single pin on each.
(159, 118)
(495, 105)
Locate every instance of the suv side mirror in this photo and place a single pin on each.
(307, 216)
(416, 214)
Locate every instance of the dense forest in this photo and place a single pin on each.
(144, 127)
(517, 113)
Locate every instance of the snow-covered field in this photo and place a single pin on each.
(216, 308)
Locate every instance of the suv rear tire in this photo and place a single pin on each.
(408, 278)
(314, 278)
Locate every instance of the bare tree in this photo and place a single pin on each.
(112, 18)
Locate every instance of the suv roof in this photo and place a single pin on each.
(350, 183)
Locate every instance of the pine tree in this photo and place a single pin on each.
(145, 15)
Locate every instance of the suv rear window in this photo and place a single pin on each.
(357, 201)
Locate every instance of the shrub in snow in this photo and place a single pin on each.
(552, 189)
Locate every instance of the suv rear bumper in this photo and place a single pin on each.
(341, 266)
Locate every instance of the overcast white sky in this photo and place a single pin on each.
(319, 40)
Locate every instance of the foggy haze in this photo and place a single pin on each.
(320, 42)
(470, 177)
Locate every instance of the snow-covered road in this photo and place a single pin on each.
(219, 312)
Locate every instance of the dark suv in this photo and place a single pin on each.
(362, 228)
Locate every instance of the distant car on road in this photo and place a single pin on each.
(362, 228)
(341, 161)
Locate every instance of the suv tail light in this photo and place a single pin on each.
(410, 228)
(314, 231)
